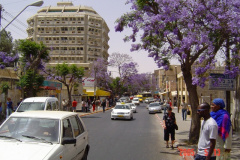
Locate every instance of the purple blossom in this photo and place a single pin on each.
(189, 30)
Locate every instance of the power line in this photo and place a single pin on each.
(16, 27)
(20, 22)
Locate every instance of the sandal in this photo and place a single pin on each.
(167, 146)
(172, 147)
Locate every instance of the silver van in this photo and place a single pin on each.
(38, 103)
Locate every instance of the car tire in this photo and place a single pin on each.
(85, 154)
(112, 118)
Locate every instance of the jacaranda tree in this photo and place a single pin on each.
(191, 31)
(68, 75)
(100, 73)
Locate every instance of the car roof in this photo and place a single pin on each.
(38, 99)
(44, 114)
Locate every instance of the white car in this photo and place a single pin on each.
(122, 112)
(149, 100)
(136, 101)
(38, 103)
(154, 107)
(133, 107)
(44, 135)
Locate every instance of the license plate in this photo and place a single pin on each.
(120, 115)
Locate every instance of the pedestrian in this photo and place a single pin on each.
(184, 110)
(169, 122)
(74, 105)
(208, 134)
(84, 106)
(98, 103)
(107, 103)
(20, 100)
(224, 138)
(89, 103)
(104, 105)
(170, 103)
(64, 104)
(166, 105)
(9, 107)
(93, 104)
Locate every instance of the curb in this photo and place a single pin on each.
(90, 113)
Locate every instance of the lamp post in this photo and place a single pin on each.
(37, 4)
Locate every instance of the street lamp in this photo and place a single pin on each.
(37, 4)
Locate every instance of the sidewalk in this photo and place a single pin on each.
(182, 136)
(81, 114)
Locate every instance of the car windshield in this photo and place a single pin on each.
(135, 99)
(153, 104)
(29, 106)
(31, 129)
(122, 107)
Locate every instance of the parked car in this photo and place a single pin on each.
(133, 107)
(149, 100)
(38, 103)
(136, 101)
(122, 112)
(44, 135)
(154, 107)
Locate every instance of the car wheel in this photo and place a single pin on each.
(85, 154)
(112, 118)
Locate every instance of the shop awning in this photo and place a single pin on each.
(99, 92)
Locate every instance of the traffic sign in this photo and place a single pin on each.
(221, 82)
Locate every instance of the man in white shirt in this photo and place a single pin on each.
(208, 134)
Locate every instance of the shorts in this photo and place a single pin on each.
(167, 132)
(74, 108)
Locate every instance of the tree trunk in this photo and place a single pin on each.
(193, 98)
(69, 97)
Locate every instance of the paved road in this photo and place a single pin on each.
(139, 139)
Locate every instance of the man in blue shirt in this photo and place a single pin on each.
(9, 107)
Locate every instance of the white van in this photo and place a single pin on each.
(38, 103)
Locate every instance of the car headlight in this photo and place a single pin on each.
(127, 113)
(113, 112)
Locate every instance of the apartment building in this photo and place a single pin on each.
(75, 34)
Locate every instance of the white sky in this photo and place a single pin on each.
(109, 10)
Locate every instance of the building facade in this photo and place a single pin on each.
(75, 34)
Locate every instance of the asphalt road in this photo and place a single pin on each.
(138, 139)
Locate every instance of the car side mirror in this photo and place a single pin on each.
(69, 141)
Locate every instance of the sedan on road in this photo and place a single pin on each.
(154, 107)
(122, 112)
(149, 100)
(133, 107)
(136, 101)
(44, 135)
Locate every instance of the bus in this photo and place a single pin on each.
(146, 95)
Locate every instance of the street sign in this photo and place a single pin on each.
(221, 82)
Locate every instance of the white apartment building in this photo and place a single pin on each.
(75, 34)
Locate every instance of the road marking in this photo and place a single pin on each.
(160, 120)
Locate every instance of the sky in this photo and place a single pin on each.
(109, 10)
